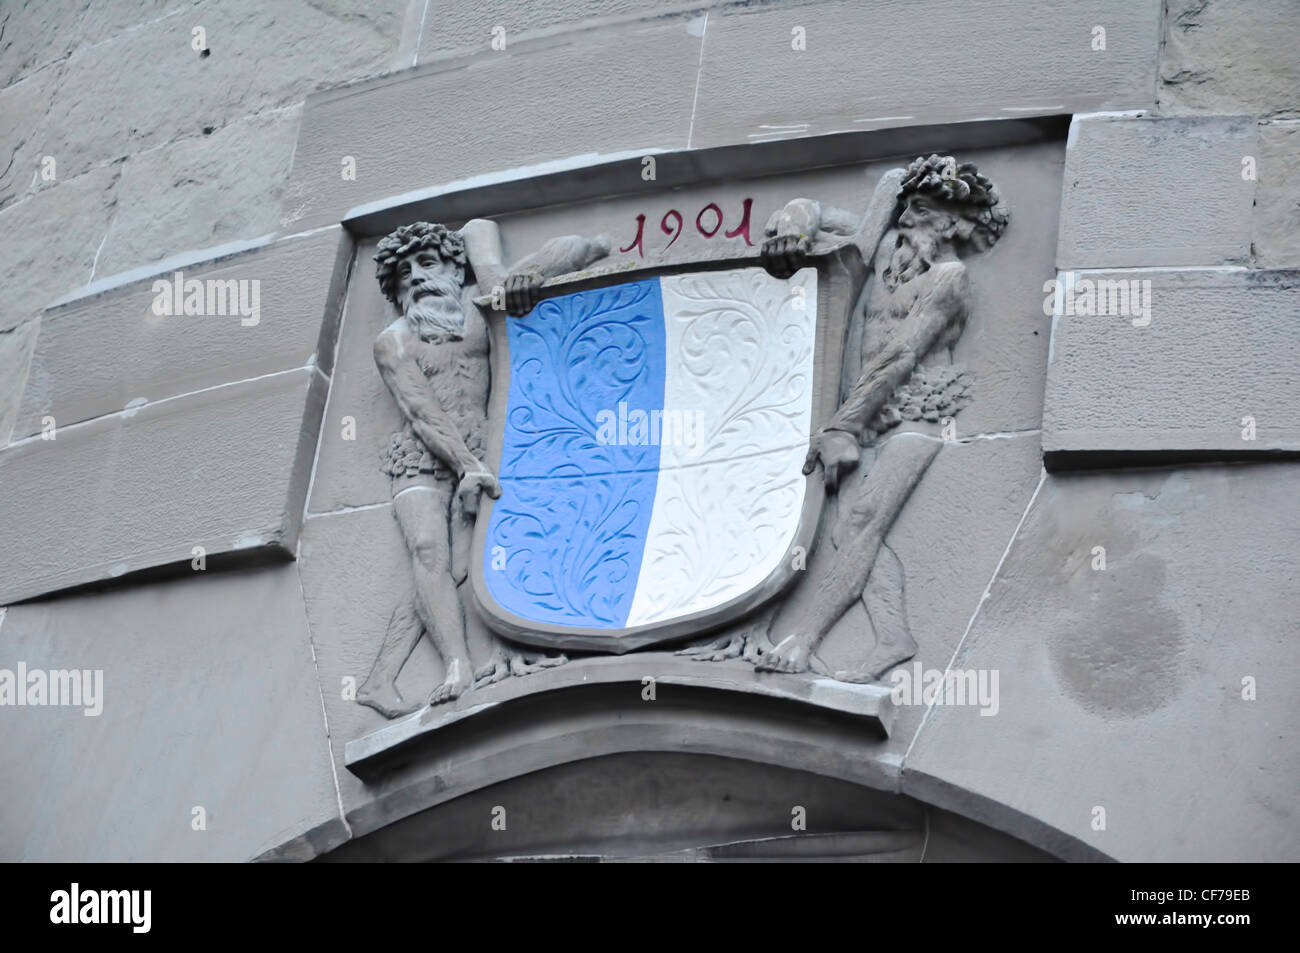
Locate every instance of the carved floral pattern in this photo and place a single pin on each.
(572, 516)
(741, 347)
(610, 535)
(744, 356)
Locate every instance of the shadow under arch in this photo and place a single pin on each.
(682, 807)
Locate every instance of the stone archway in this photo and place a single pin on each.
(672, 806)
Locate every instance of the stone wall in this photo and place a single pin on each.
(134, 154)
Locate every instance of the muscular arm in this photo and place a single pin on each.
(523, 286)
(811, 219)
(792, 230)
(419, 405)
(943, 307)
(935, 312)
(562, 255)
(559, 256)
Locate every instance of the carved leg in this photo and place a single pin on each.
(422, 514)
(886, 605)
(839, 582)
(379, 690)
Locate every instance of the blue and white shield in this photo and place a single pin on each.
(650, 447)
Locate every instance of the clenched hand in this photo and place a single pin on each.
(837, 451)
(523, 291)
(472, 484)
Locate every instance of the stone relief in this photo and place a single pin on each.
(434, 360)
(897, 366)
(657, 450)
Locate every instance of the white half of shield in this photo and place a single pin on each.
(740, 349)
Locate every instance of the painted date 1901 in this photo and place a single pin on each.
(708, 222)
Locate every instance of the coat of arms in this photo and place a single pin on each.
(601, 459)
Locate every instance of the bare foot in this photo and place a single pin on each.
(506, 663)
(716, 650)
(885, 599)
(385, 699)
(453, 685)
(747, 642)
(732, 646)
(881, 660)
(791, 654)
(853, 676)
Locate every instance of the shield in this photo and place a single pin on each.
(649, 434)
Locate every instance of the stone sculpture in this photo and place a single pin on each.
(898, 366)
(612, 545)
(434, 360)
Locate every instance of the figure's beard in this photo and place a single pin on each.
(913, 256)
(437, 318)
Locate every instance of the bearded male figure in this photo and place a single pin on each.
(898, 367)
(434, 360)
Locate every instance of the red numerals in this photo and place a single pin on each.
(743, 227)
(640, 234)
(676, 231)
(708, 223)
(717, 221)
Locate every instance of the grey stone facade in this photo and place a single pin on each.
(192, 504)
